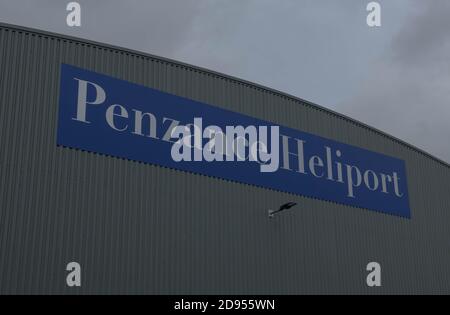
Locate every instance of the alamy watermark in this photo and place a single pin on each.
(74, 16)
(374, 17)
(236, 143)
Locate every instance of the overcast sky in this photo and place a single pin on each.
(395, 77)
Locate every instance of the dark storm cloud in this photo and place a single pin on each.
(407, 92)
(425, 35)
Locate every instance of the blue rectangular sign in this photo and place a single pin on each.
(103, 114)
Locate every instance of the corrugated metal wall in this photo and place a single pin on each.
(138, 228)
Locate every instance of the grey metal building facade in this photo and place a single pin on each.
(140, 228)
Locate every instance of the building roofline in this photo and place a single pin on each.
(224, 76)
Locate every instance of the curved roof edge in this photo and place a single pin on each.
(225, 76)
